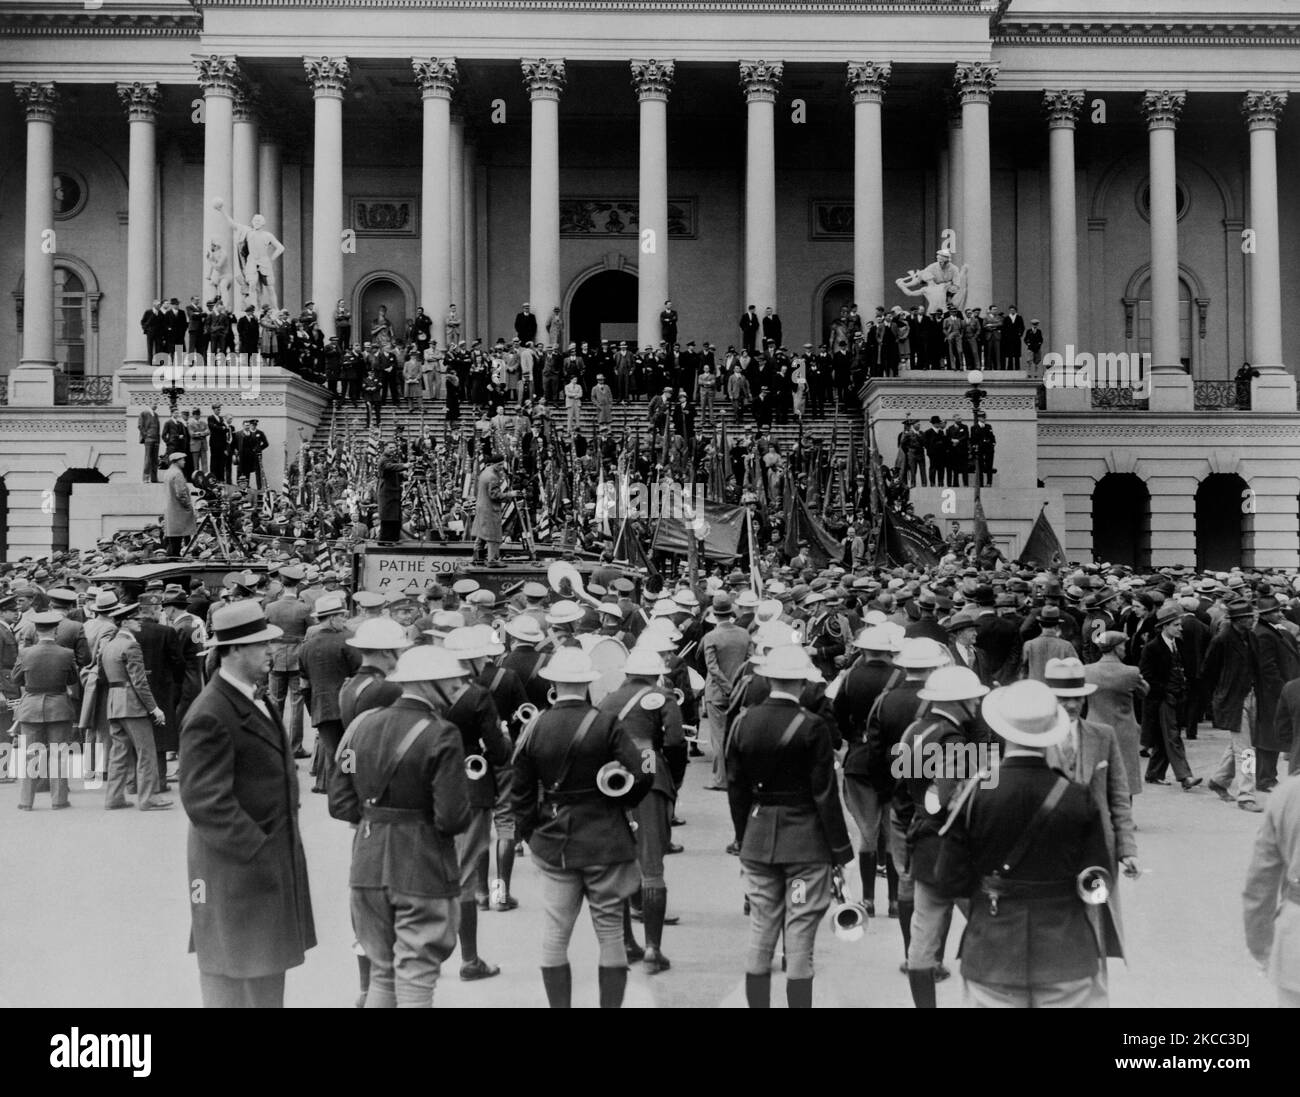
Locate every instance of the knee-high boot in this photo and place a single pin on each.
(472, 966)
(363, 971)
(867, 867)
(891, 880)
(655, 907)
(634, 951)
(613, 982)
(558, 982)
(905, 908)
(505, 870)
(798, 993)
(758, 990)
(922, 983)
(482, 869)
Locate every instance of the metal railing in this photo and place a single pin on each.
(90, 390)
(1221, 396)
(1117, 399)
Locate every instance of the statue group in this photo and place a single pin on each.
(942, 284)
(256, 250)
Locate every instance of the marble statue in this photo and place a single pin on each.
(941, 284)
(257, 250)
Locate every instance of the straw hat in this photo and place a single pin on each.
(240, 623)
(569, 665)
(1026, 713)
(952, 684)
(1065, 678)
(426, 663)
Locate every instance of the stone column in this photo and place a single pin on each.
(141, 103)
(956, 184)
(469, 308)
(761, 80)
(218, 77)
(270, 192)
(245, 172)
(1171, 387)
(1062, 110)
(867, 80)
(545, 81)
(328, 77)
(436, 77)
(653, 81)
(974, 82)
(1274, 389)
(32, 383)
(456, 204)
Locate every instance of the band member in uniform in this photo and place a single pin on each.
(404, 789)
(579, 837)
(327, 661)
(523, 657)
(47, 674)
(651, 719)
(380, 640)
(785, 807)
(1017, 848)
(927, 748)
(132, 711)
(1272, 895)
(291, 615)
(239, 786)
(475, 714)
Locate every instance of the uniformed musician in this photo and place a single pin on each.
(401, 781)
(524, 634)
(785, 807)
(579, 837)
(651, 718)
(46, 673)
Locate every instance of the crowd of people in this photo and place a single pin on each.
(824, 695)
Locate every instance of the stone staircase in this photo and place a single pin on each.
(347, 421)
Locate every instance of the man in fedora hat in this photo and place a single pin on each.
(404, 788)
(785, 807)
(325, 662)
(178, 518)
(579, 838)
(1277, 657)
(1016, 848)
(1162, 666)
(1228, 674)
(1046, 646)
(250, 902)
(930, 753)
(726, 647)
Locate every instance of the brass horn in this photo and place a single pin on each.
(525, 712)
(614, 780)
(1093, 885)
(848, 919)
(476, 767)
(560, 572)
(680, 697)
(551, 696)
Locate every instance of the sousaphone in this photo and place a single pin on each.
(561, 574)
(608, 658)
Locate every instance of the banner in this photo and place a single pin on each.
(910, 542)
(1043, 548)
(722, 541)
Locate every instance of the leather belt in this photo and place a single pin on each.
(395, 815)
(1026, 889)
(45, 692)
(574, 796)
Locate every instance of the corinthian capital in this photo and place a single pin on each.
(974, 80)
(140, 100)
(1062, 108)
(1162, 108)
(328, 76)
(544, 79)
(867, 80)
(761, 80)
(436, 76)
(1262, 109)
(218, 75)
(39, 99)
(245, 106)
(653, 79)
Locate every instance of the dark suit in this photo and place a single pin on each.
(326, 662)
(252, 919)
(998, 640)
(248, 451)
(1160, 710)
(249, 332)
(526, 327)
(749, 327)
(155, 332)
(1025, 949)
(220, 438)
(177, 323)
(772, 329)
(164, 666)
(1278, 659)
(149, 435)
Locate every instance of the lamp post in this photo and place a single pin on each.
(976, 396)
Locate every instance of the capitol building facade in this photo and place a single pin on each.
(1116, 175)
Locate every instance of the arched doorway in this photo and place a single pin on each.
(63, 496)
(375, 290)
(1121, 520)
(604, 307)
(1219, 521)
(838, 295)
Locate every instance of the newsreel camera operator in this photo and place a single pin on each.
(493, 492)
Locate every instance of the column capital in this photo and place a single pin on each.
(1162, 108)
(140, 100)
(761, 80)
(1062, 108)
(245, 108)
(218, 74)
(1261, 109)
(40, 100)
(328, 76)
(867, 80)
(653, 79)
(437, 77)
(974, 80)
(544, 79)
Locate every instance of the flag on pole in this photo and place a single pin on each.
(1043, 548)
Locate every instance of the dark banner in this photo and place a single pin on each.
(908, 541)
(722, 542)
(1043, 548)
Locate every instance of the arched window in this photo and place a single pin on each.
(70, 321)
(1186, 343)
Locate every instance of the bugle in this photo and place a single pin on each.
(614, 780)
(680, 697)
(848, 919)
(476, 767)
(1093, 885)
(551, 696)
(525, 712)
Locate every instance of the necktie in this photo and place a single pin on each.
(1068, 754)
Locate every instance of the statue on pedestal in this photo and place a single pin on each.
(942, 284)
(256, 250)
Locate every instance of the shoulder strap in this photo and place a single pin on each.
(788, 734)
(1027, 836)
(632, 702)
(496, 679)
(346, 742)
(408, 741)
(578, 738)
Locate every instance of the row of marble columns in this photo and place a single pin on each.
(243, 169)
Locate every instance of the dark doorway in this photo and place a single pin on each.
(4, 521)
(382, 291)
(838, 296)
(1219, 510)
(62, 497)
(1121, 520)
(604, 307)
